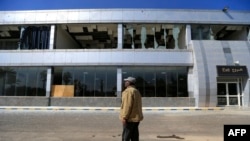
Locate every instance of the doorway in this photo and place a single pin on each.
(229, 93)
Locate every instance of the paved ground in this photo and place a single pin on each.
(103, 125)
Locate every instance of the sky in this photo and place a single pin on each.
(240, 5)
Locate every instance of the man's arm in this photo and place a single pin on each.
(127, 105)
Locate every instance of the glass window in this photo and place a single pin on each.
(23, 81)
(10, 82)
(9, 44)
(222, 101)
(67, 76)
(201, 32)
(232, 89)
(24, 37)
(88, 81)
(182, 85)
(233, 100)
(88, 36)
(35, 37)
(221, 89)
(159, 81)
(157, 36)
(219, 32)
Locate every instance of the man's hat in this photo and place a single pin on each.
(130, 79)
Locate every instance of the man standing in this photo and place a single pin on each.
(131, 111)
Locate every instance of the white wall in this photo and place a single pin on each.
(207, 55)
(64, 40)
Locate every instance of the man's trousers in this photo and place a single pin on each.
(130, 131)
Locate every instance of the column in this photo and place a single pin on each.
(143, 36)
(176, 31)
(21, 35)
(119, 82)
(120, 36)
(52, 37)
(188, 36)
(48, 81)
(246, 95)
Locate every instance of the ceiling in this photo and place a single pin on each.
(9, 32)
(105, 35)
(93, 35)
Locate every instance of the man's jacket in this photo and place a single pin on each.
(131, 107)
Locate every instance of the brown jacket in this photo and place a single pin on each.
(131, 107)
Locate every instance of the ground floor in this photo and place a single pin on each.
(101, 86)
(88, 81)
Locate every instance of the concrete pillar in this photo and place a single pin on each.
(176, 32)
(190, 82)
(188, 36)
(52, 37)
(48, 81)
(119, 81)
(120, 36)
(21, 35)
(246, 95)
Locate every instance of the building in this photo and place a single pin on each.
(79, 57)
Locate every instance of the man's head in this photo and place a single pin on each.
(129, 81)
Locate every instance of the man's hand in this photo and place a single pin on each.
(124, 121)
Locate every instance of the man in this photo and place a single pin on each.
(131, 111)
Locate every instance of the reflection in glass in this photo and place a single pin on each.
(232, 89)
(229, 91)
(94, 81)
(88, 81)
(182, 85)
(222, 101)
(153, 36)
(221, 89)
(23, 81)
(218, 32)
(131, 33)
(10, 82)
(233, 100)
(84, 86)
(159, 81)
(68, 76)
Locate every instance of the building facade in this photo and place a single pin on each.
(79, 57)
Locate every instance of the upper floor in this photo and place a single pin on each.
(119, 28)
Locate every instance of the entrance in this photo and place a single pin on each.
(229, 93)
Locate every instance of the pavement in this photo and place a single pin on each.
(102, 123)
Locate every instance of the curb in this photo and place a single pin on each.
(111, 108)
(182, 109)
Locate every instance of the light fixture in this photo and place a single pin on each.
(237, 63)
(225, 9)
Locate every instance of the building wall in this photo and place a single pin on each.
(201, 56)
(94, 57)
(94, 101)
(209, 54)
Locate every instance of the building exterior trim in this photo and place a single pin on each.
(124, 16)
(81, 57)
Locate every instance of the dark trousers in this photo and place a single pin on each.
(130, 132)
